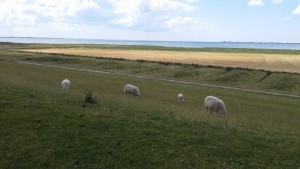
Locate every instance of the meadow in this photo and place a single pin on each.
(275, 81)
(43, 126)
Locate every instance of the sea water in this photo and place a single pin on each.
(185, 44)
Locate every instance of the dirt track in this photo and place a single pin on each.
(273, 62)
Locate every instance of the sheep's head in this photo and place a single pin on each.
(180, 97)
(136, 92)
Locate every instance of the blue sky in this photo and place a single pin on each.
(169, 20)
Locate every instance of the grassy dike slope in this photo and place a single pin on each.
(237, 77)
(45, 127)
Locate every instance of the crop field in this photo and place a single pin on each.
(43, 126)
(271, 62)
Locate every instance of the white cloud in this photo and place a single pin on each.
(286, 18)
(277, 1)
(297, 10)
(27, 11)
(261, 3)
(191, 1)
(255, 3)
(142, 14)
(147, 14)
(176, 23)
(125, 12)
(169, 5)
(76, 15)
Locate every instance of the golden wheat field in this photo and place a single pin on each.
(272, 62)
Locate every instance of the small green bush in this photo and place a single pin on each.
(89, 97)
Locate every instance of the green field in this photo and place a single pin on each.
(43, 126)
(237, 77)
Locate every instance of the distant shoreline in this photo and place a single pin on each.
(152, 40)
(181, 44)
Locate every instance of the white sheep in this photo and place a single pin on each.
(130, 89)
(215, 104)
(180, 97)
(66, 84)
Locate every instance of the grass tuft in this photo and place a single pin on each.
(89, 98)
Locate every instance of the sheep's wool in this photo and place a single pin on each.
(215, 104)
(66, 84)
(131, 89)
(180, 97)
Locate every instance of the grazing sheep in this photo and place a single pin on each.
(215, 104)
(66, 84)
(180, 97)
(130, 89)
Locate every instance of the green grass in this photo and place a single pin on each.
(237, 77)
(43, 126)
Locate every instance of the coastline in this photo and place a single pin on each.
(176, 44)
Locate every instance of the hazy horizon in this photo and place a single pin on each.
(145, 40)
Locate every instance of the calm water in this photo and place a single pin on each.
(291, 46)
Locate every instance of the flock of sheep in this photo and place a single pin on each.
(211, 103)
